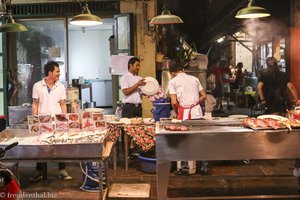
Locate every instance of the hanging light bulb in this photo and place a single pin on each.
(11, 25)
(166, 17)
(86, 18)
(252, 11)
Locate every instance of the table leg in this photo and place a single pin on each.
(126, 151)
(115, 156)
(44, 171)
(15, 169)
(100, 180)
(106, 174)
(162, 177)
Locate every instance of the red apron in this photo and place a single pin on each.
(181, 110)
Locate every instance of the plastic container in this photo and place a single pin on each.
(72, 93)
(148, 165)
(161, 108)
(90, 174)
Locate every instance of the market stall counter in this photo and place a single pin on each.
(58, 146)
(219, 140)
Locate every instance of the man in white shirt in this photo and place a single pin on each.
(49, 97)
(130, 83)
(186, 94)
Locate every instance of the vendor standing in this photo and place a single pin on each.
(273, 88)
(186, 94)
(130, 83)
(49, 97)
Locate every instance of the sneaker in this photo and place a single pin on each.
(182, 173)
(204, 170)
(296, 172)
(63, 174)
(38, 175)
(248, 161)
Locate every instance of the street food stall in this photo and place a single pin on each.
(60, 138)
(222, 140)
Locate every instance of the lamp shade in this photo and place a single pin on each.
(166, 18)
(252, 11)
(12, 26)
(86, 19)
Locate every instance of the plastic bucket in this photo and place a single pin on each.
(161, 108)
(147, 164)
(90, 173)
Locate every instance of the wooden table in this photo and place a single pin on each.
(143, 135)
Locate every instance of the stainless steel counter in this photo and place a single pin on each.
(59, 152)
(204, 141)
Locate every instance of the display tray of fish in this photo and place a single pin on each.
(271, 123)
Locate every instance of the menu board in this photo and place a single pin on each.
(87, 121)
(73, 122)
(61, 122)
(99, 121)
(46, 124)
(66, 122)
(34, 124)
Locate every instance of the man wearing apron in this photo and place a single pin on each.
(186, 94)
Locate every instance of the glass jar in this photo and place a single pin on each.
(72, 93)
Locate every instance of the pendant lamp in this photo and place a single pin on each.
(12, 26)
(252, 11)
(166, 17)
(86, 18)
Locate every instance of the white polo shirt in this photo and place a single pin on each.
(127, 81)
(187, 88)
(49, 101)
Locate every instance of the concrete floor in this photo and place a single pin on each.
(228, 178)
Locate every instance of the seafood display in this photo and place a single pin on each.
(33, 124)
(176, 128)
(73, 122)
(46, 127)
(61, 117)
(98, 117)
(72, 137)
(271, 123)
(61, 122)
(66, 122)
(74, 125)
(73, 117)
(33, 119)
(34, 129)
(45, 118)
(99, 121)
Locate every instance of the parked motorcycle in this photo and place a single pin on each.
(9, 184)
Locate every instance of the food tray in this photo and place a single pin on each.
(262, 128)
